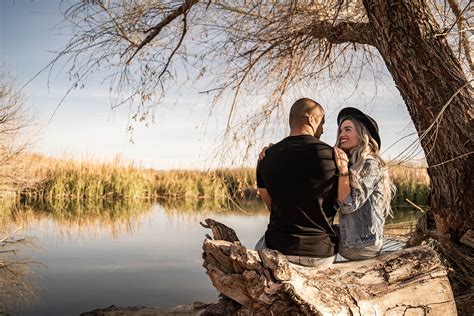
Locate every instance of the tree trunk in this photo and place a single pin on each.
(428, 75)
(265, 282)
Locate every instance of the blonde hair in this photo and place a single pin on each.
(366, 148)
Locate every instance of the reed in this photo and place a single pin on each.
(241, 183)
(190, 185)
(201, 190)
(67, 179)
(56, 180)
(86, 180)
(412, 183)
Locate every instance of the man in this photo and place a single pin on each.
(297, 183)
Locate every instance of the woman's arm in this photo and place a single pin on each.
(343, 188)
(343, 185)
(369, 178)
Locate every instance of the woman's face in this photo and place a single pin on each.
(348, 138)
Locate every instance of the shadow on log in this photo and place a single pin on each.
(407, 282)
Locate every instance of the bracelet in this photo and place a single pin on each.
(345, 174)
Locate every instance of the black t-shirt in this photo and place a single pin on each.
(298, 173)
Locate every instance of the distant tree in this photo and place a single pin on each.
(265, 49)
(15, 121)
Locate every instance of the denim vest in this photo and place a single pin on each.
(361, 214)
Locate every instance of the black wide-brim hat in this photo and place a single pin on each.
(368, 122)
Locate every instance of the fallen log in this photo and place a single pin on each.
(407, 282)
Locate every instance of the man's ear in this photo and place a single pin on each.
(315, 120)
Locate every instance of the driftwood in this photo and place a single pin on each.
(407, 282)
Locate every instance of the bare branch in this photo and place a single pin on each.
(167, 20)
(118, 26)
(343, 32)
(240, 48)
(463, 38)
(175, 49)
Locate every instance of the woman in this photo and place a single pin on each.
(364, 187)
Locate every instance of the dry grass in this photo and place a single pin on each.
(58, 180)
(52, 180)
(412, 183)
(86, 180)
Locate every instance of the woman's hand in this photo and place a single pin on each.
(262, 153)
(342, 161)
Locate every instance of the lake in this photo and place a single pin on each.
(151, 258)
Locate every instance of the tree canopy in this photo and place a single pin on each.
(237, 49)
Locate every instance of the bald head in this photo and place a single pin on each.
(302, 109)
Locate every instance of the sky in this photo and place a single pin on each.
(184, 135)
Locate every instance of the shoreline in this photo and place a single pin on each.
(222, 307)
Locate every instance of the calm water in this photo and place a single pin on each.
(152, 258)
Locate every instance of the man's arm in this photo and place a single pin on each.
(261, 188)
(265, 197)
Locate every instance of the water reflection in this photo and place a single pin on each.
(76, 218)
(142, 255)
(17, 284)
(402, 224)
(136, 254)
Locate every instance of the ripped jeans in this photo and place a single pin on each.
(354, 253)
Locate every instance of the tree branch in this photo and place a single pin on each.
(463, 38)
(117, 25)
(353, 32)
(167, 20)
(175, 49)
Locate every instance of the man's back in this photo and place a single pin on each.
(298, 173)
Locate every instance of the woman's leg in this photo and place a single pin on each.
(361, 253)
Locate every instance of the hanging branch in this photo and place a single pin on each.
(167, 20)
